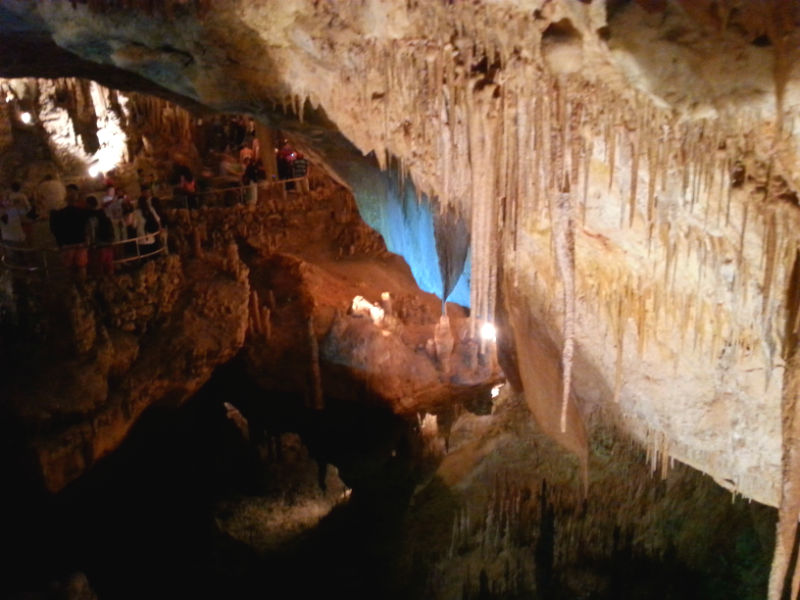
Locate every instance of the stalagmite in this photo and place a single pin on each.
(266, 323)
(255, 310)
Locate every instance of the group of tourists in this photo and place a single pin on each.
(235, 142)
(87, 231)
(91, 232)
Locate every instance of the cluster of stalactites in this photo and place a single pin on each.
(526, 156)
(487, 130)
(157, 115)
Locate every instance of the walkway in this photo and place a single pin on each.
(25, 259)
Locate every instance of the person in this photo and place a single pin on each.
(286, 156)
(128, 208)
(237, 132)
(250, 179)
(245, 154)
(100, 236)
(12, 232)
(11, 223)
(20, 202)
(250, 139)
(229, 168)
(283, 156)
(68, 225)
(300, 171)
(261, 172)
(18, 199)
(73, 195)
(186, 189)
(110, 194)
(153, 200)
(146, 180)
(112, 205)
(129, 224)
(148, 224)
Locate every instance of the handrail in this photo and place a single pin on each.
(9, 251)
(238, 189)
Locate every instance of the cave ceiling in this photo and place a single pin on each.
(628, 172)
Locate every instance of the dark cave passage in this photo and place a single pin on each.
(141, 523)
(153, 519)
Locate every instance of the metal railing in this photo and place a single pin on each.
(27, 259)
(24, 258)
(227, 195)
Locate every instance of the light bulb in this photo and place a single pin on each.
(488, 332)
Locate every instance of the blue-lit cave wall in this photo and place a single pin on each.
(392, 207)
(386, 203)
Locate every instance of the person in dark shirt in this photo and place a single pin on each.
(69, 228)
(100, 235)
(300, 170)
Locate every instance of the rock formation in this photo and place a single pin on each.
(627, 170)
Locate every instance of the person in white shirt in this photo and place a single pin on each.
(18, 199)
(112, 205)
(11, 223)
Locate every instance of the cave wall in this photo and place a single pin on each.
(80, 130)
(489, 111)
(627, 171)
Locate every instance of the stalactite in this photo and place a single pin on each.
(770, 244)
(742, 232)
(641, 320)
(634, 181)
(611, 149)
(620, 338)
(534, 186)
(564, 239)
(587, 163)
(653, 153)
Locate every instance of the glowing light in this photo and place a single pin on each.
(25, 117)
(362, 306)
(113, 141)
(105, 159)
(496, 390)
(488, 332)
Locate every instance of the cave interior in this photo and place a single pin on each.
(528, 326)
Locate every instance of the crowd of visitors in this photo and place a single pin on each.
(236, 144)
(91, 233)
(84, 229)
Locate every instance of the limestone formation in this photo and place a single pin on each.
(627, 170)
